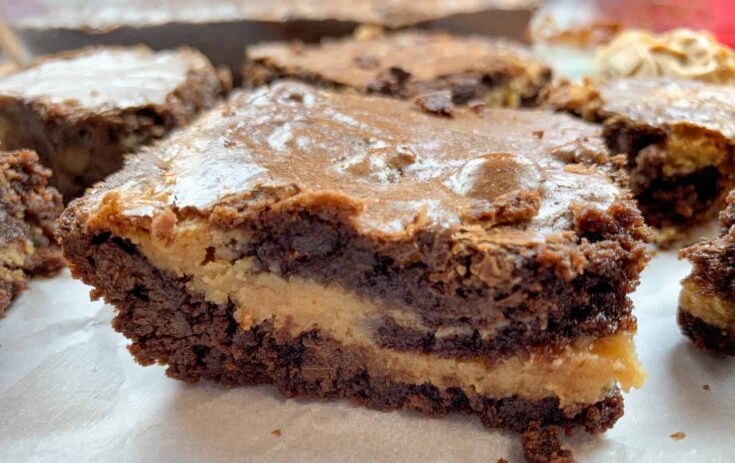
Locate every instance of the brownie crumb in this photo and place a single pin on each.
(439, 103)
(502, 460)
(678, 435)
(543, 445)
(277, 432)
(705, 387)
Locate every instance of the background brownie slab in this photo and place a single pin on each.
(707, 302)
(83, 111)
(220, 28)
(406, 64)
(498, 236)
(28, 213)
(679, 137)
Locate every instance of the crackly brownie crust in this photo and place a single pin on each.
(83, 136)
(678, 136)
(198, 340)
(28, 212)
(496, 72)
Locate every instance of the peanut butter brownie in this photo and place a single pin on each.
(28, 213)
(83, 111)
(496, 72)
(342, 246)
(679, 137)
(707, 301)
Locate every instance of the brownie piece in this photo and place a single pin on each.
(220, 28)
(28, 212)
(707, 300)
(679, 137)
(83, 111)
(496, 72)
(342, 246)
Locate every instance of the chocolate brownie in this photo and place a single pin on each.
(496, 72)
(356, 247)
(679, 137)
(83, 111)
(707, 300)
(220, 28)
(28, 213)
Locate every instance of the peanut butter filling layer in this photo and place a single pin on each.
(580, 374)
(709, 308)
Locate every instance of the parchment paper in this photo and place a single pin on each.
(69, 391)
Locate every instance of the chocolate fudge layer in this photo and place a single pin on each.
(679, 137)
(28, 213)
(220, 28)
(707, 300)
(496, 72)
(83, 111)
(346, 246)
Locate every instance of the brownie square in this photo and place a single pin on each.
(83, 111)
(213, 27)
(342, 246)
(481, 70)
(678, 135)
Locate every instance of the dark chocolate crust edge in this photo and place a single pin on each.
(705, 335)
(197, 340)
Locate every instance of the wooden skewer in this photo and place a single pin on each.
(12, 46)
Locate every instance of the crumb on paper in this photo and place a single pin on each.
(277, 432)
(678, 435)
(502, 460)
(543, 445)
(705, 387)
(569, 432)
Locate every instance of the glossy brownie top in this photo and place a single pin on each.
(104, 80)
(388, 165)
(658, 102)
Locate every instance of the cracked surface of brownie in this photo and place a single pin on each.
(496, 72)
(678, 135)
(28, 213)
(707, 300)
(130, 97)
(499, 240)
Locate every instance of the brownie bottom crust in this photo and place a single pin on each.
(199, 340)
(705, 335)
